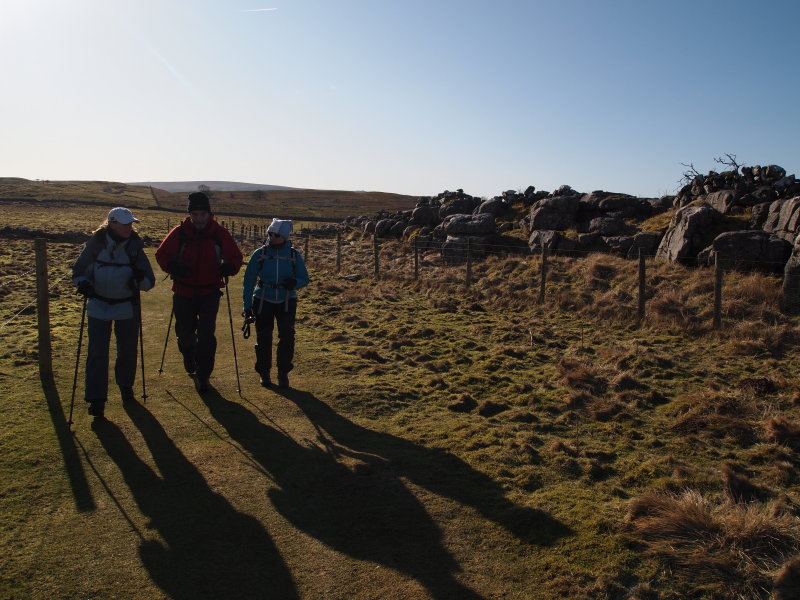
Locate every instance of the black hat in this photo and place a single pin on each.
(198, 201)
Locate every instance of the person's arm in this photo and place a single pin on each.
(148, 281)
(85, 260)
(249, 282)
(230, 252)
(168, 250)
(301, 272)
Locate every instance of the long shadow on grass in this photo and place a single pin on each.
(433, 469)
(364, 511)
(210, 550)
(69, 451)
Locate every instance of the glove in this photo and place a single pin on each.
(249, 315)
(176, 269)
(138, 274)
(86, 288)
(290, 283)
(227, 269)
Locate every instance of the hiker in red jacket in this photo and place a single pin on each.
(199, 254)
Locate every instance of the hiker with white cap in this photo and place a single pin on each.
(269, 295)
(111, 271)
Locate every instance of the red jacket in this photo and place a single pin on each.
(201, 252)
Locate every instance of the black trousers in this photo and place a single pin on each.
(267, 315)
(195, 326)
(127, 334)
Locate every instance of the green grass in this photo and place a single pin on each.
(369, 479)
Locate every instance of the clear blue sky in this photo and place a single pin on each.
(406, 96)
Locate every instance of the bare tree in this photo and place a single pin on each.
(729, 160)
(689, 174)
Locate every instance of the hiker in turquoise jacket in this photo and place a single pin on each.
(269, 295)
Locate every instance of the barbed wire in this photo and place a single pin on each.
(17, 278)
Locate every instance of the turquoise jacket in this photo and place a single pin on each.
(268, 270)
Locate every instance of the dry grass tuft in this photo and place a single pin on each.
(723, 550)
(783, 431)
(737, 485)
(582, 376)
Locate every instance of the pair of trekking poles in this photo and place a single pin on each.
(80, 344)
(141, 348)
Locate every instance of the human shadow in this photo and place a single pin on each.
(208, 549)
(434, 469)
(76, 475)
(350, 500)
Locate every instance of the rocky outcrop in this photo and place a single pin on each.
(791, 281)
(747, 250)
(783, 218)
(686, 233)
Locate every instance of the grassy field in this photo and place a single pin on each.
(439, 442)
(313, 205)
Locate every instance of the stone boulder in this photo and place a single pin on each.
(685, 235)
(425, 216)
(460, 224)
(458, 205)
(493, 207)
(748, 250)
(722, 200)
(456, 248)
(619, 244)
(648, 242)
(554, 213)
(791, 281)
(784, 218)
(606, 225)
(549, 240)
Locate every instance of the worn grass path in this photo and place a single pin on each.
(268, 495)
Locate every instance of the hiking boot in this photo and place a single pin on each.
(201, 384)
(126, 393)
(266, 381)
(283, 380)
(97, 408)
(189, 364)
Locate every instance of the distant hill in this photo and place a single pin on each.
(181, 187)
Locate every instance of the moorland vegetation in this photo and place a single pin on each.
(442, 440)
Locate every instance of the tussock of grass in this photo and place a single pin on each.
(724, 549)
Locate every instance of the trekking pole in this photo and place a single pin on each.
(233, 339)
(141, 343)
(166, 341)
(77, 362)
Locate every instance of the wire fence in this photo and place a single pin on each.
(598, 284)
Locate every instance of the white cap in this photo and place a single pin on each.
(121, 215)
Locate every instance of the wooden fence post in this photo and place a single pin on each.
(544, 275)
(376, 252)
(43, 309)
(717, 292)
(641, 286)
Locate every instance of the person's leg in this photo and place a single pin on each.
(265, 324)
(186, 329)
(127, 334)
(285, 319)
(207, 308)
(96, 388)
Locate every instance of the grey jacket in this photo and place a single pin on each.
(110, 267)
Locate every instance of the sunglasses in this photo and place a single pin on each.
(273, 234)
